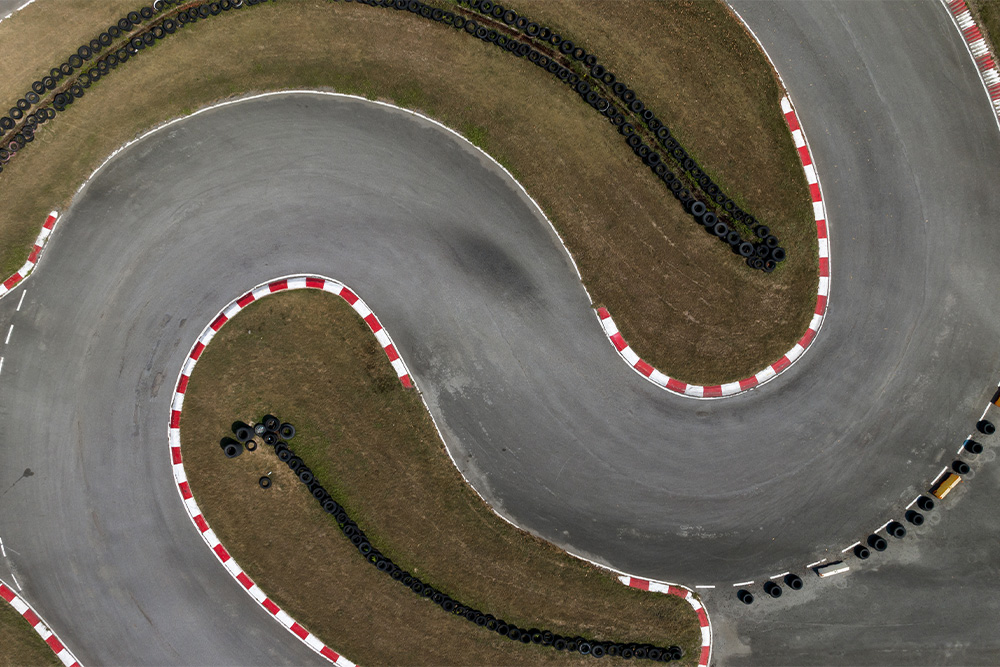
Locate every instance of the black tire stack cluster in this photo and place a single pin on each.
(772, 588)
(66, 83)
(507, 30)
(381, 562)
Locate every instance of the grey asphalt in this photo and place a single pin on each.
(539, 411)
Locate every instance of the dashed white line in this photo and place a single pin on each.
(21, 300)
(913, 502)
(1, 364)
(9, 332)
(882, 526)
(2, 550)
(850, 547)
(743, 583)
(705, 586)
(779, 576)
(823, 560)
(16, 582)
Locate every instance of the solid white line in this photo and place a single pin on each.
(15, 580)
(21, 300)
(882, 526)
(815, 564)
(704, 586)
(779, 576)
(2, 550)
(913, 502)
(743, 583)
(1, 364)
(850, 547)
(9, 332)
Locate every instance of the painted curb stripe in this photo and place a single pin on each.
(29, 614)
(979, 50)
(646, 370)
(36, 253)
(688, 595)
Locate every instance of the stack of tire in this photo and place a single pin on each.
(87, 65)
(384, 564)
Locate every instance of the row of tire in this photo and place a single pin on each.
(876, 542)
(763, 255)
(772, 588)
(89, 66)
(512, 632)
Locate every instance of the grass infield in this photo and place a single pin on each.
(307, 357)
(20, 645)
(987, 14)
(680, 297)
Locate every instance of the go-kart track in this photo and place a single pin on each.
(538, 410)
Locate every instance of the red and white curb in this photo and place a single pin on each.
(22, 273)
(49, 637)
(174, 436)
(679, 591)
(986, 62)
(732, 388)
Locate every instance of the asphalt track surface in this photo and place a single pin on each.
(539, 411)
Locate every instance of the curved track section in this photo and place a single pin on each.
(538, 411)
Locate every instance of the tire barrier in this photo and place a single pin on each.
(961, 467)
(569, 62)
(794, 582)
(896, 529)
(915, 517)
(96, 59)
(877, 542)
(370, 553)
(986, 427)
(744, 596)
(772, 589)
(973, 447)
(924, 503)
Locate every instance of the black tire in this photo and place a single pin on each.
(896, 529)
(744, 596)
(794, 582)
(628, 95)
(32, 98)
(84, 52)
(169, 26)
(636, 106)
(330, 506)
(134, 18)
(146, 12)
(721, 229)
(16, 113)
(566, 47)
(95, 46)
(366, 548)
(546, 637)
(761, 251)
(157, 32)
(232, 450)
(758, 263)
(124, 25)
(986, 427)
(862, 552)
(626, 651)
(7, 123)
(961, 467)
(305, 475)
(251, 446)
(265, 482)
(697, 209)
(270, 438)
(114, 31)
(294, 463)
(242, 432)
(38, 87)
(503, 629)
(75, 61)
(709, 219)
(769, 265)
(925, 503)
(618, 88)
(745, 249)
(286, 431)
(137, 43)
(514, 633)
(877, 542)
(915, 517)
(148, 39)
(973, 446)
(655, 654)
(676, 652)
(778, 254)
(65, 69)
(584, 647)
(772, 589)
(271, 423)
(733, 238)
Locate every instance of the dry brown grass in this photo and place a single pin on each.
(308, 358)
(20, 645)
(680, 297)
(987, 13)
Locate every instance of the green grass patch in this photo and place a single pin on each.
(680, 297)
(20, 645)
(309, 359)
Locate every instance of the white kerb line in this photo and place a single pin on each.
(2, 550)
(21, 300)
(9, 332)
(1, 364)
